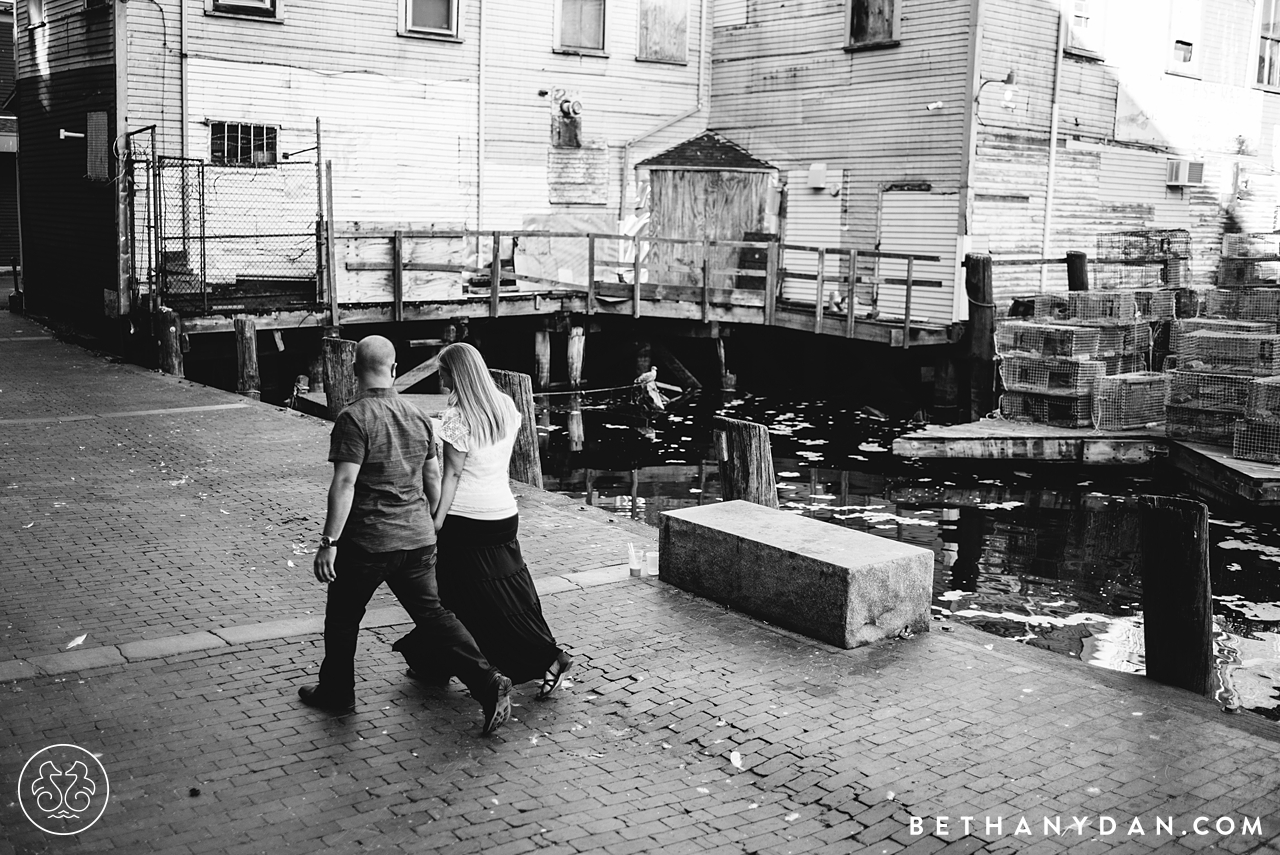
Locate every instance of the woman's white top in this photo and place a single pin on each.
(484, 491)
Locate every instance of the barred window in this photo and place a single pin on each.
(233, 144)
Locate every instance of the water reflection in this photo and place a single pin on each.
(1043, 556)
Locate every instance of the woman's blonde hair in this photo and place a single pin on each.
(488, 411)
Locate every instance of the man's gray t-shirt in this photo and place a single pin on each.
(391, 439)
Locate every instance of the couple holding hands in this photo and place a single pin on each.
(393, 516)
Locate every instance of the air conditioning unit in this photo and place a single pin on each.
(1183, 173)
(97, 4)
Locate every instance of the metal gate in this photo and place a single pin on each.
(208, 239)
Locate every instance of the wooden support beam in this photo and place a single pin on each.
(906, 310)
(635, 281)
(248, 382)
(591, 274)
(1177, 602)
(1077, 271)
(980, 343)
(644, 356)
(495, 277)
(851, 296)
(542, 359)
(315, 372)
(728, 380)
(577, 436)
(168, 328)
(746, 462)
(820, 285)
(526, 465)
(706, 279)
(417, 374)
(682, 376)
(339, 374)
(576, 353)
(771, 284)
(397, 277)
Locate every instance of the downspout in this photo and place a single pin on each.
(1053, 148)
(182, 76)
(480, 129)
(960, 308)
(703, 60)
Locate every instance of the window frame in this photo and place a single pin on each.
(254, 10)
(684, 58)
(574, 50)
(275, 161)
(895, 36)
(35, 14)
(407, 29)
(1260, 39)
(1097, 13)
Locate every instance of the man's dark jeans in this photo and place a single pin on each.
(411, 575)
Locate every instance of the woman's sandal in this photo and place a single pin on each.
(555, 675)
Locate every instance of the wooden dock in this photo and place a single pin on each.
(1210, 470)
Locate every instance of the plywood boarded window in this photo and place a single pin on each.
(261, 8)
(96, 144)
(1084, 26)
(1269, 44)
(664, 30)
(872, 22)
(234, 144)
(581, 25)
(431, 17)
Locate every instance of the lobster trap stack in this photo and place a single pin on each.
(1249, 260)
(1150, 258)
(1256, 437)
(1130, 401)
(1048, 372)
(1211, 391)
(1124, 338)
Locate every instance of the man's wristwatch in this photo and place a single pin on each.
(327, 542)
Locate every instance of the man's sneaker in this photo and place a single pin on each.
(498, 708)
(313, 697)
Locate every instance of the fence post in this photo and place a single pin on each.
(330, 273)
(526, 466)
(980, 334)
(168, 327)
(495, 276)
(339, 373)
(820, 284)
(576, 349)
(248, 383)
(772, 266)
(397, 276)
(746, 462)
(591, 274)
(1177, 603)
(706, 279)
(1077, 271)
(906, 309)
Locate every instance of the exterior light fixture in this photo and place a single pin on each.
(1010, 83)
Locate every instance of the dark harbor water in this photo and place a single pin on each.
(1044, 555)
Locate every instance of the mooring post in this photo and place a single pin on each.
(248, 383)
(315, 373)
(746, 462)
(577, 435)
(526, 465)
(339, 374)
(168, 327)
(576, 352)
(542, 358)
(1177, 603)
(1077, 271)
(980, 334)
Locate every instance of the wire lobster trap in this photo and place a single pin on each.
(1249, 259)
(1264, 400)
(1195, 425)
(1234, 353)
(1096, 308)
(1039, 339)
(1056, 410)
(1124, 363)
(1198, 390)
(1243, 304)
(1049, 307)
(1144, 245)
(1050, 376)
(1156, 304)
(1258, 441)
(1129, 401)
(1124, 339)
(1180, 341)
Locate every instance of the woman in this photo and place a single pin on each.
(482, 576)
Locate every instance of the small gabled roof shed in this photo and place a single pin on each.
(708, 150)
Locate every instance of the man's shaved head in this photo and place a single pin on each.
(374, 355)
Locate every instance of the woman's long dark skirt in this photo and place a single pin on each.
(484, 580)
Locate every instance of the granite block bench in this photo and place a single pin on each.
(844, 587)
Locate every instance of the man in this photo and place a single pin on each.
(386, 482)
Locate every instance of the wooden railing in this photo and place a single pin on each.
(635, 268)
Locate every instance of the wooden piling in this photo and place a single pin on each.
(576, 352)
(168, 328)
(1077, 271)
(728, 380)
(746, 462)
(1177, 603)
(315, 373)
(644, 356)
(248, 382)
(577, 435)
(526, 465)
(339, 374)
(980, 334)
(542, 358)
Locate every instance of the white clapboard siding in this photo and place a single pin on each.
(813, 219)
(927, 224)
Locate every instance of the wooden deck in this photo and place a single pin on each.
(1211, 471)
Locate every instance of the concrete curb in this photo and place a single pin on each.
(71, 661)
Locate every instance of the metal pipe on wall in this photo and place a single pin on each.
(480, 124)
(1053, 147)
(182, 76)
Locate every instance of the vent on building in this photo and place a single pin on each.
(97, 4)
(96, 147)
(1182, 173)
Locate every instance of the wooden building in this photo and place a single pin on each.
(435, 113)
(1004, 126)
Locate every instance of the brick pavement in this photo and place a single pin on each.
(209, 751)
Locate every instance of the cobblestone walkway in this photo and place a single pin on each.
(686, 728)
